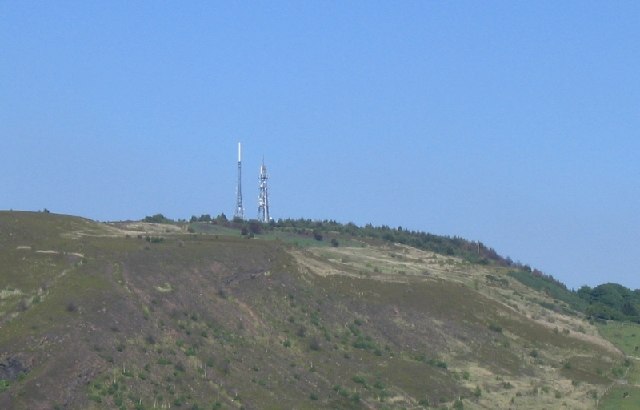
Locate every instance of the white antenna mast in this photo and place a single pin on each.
(239, 213)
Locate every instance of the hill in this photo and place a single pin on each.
(198, 316)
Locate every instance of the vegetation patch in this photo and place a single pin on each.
(550, 286)
(621, 398)
(166, 287)
(624, 335)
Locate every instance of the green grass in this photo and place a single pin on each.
(616, 400)
(624, 335)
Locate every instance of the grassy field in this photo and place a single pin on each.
(621, 398)
(625, 335)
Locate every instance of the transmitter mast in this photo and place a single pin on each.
(263, 197)
(239, 212)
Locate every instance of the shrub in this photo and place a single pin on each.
(495, 328)
(359, 379)
(617, 372)
(255, 227)
(438, 363)
(314, 344)
(477, 392)
(340, 390)
(179, 367)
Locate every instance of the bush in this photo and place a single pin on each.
(314, 344)
(495, 328)
(477, 392)
(255, 227)
(359, 379)
(438, 363)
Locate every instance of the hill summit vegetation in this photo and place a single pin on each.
(213, 313)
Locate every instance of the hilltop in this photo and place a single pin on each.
(296, 314)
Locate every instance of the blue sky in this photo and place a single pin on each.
(512, 123)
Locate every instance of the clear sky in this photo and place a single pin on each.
(513, 123)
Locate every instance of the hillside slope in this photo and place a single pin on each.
(151, 316)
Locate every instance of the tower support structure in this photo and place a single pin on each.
(239, 212)
(263, 196)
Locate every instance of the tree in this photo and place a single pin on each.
(204, 218)
(628, 309)
(157, 218)
(255, 227)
